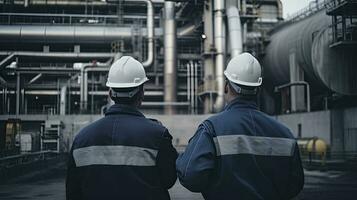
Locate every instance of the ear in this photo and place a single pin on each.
(226, 87)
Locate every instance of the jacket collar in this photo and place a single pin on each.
(241, 102)
(123, 109)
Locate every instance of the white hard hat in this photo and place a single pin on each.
(126, 73)
(244, 70)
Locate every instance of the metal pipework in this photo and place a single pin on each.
(84, 68)
(150, 32)
(186, 30)
(58, 54)
(35, 78)
(235, 31)
(219, 41)
(170, 55)
(324, 67)
(150, 28)
(63, 100)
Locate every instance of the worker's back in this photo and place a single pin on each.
(257, 157)
(122, 156)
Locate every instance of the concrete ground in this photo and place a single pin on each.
(329, 185)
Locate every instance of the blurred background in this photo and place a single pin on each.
(55, 56)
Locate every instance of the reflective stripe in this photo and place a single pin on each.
(115, 155)
(243, 144)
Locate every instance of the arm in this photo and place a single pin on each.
(166, 162)
(297, 175)
(196, 165)
(73, 183)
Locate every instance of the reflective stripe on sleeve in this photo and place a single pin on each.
(243, 144)
(115, 155)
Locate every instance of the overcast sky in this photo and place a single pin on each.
(292, 6)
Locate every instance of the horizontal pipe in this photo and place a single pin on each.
(69, 34)
(59, 54)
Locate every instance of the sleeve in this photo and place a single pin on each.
(197, 164)
(73, 183)
(297, 175)
(165, 160)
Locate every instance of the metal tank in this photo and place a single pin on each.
(309, 40)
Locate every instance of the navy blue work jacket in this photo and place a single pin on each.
(121, 156)
(241, 153)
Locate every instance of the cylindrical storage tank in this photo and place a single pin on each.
(309, 40)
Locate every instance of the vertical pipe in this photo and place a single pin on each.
(3, 100)
(18, 82)
(192, 87)
(81, 89)
(6, 102)
(208, 62)
(308, 96)
(150, 29)
(235, 31)
(22, 107)
(85, 90)
(219, 31)
(170, 56)
(188, 81)
(196, 86)
(63, 100)
(92, 96)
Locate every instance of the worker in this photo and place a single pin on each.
(123, 155)
(241, 153)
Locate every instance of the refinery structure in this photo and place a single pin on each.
(55, 56)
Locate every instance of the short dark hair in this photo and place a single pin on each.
(245, 96)
(127, 100)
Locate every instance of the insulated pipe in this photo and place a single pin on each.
(219, 41)
(235, 31)
(68, 34)
(170, 55)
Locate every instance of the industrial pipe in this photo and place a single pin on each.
(150, 29)
(63, 100)
(84, 68)
(323, 66)
(186, 30)
(170, 55)
(219, 41)
(58, 54)
(35, 78)
(235, 31)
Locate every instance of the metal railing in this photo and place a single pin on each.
(11, 161)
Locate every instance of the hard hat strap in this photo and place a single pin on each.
(125, 94)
